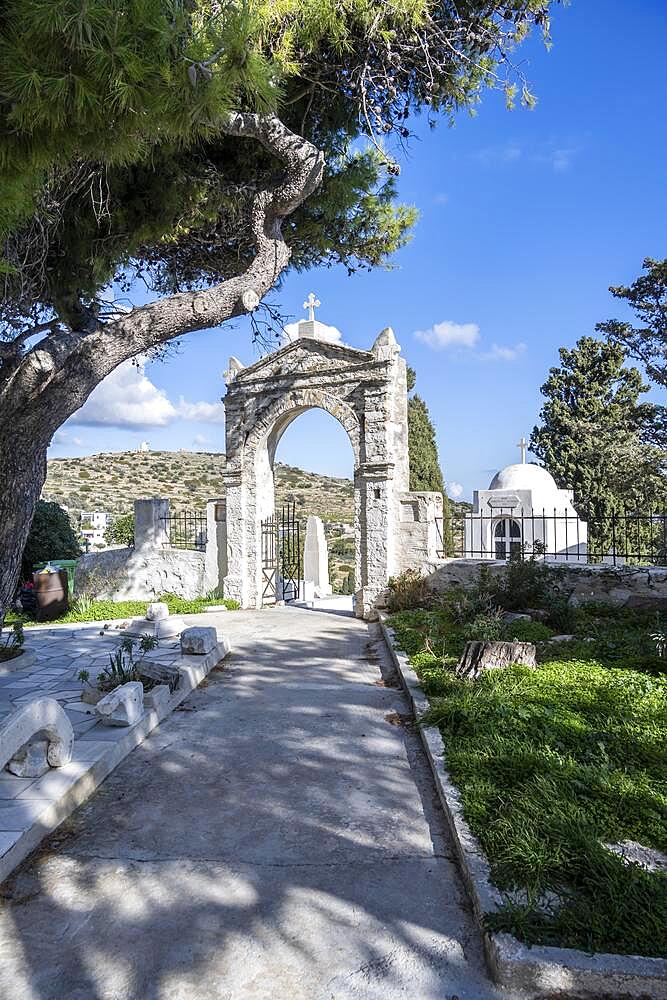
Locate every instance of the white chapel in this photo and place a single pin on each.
(523, 511)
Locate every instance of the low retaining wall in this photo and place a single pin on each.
(141, 575)
(624, 586)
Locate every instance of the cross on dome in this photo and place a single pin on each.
(311, 304)
(523, 445)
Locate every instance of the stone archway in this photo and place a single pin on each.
(366, 392)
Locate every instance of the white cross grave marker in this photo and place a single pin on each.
(311, 304)
(523, 445)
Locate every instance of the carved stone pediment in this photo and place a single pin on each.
(303, 357)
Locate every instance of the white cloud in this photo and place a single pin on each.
(551, 153)
(331, 334)
(128, 398)
(561, 159)
(449, 334)
(498, 353)
(202, 412)
(455, 490)
(442, 198)
(494, 155)
(78, 442)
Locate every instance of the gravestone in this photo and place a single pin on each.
(316, 557)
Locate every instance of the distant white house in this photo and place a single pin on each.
(93, 525)
(144, 446)
(524, 511)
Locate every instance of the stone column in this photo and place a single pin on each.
(151, 526)
(236, 580)
(215, 564)
(375, 532)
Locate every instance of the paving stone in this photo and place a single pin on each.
(11, 786)
(89, 750)
(81, 728)
(8, 839)
(22, 813)
(54, 784)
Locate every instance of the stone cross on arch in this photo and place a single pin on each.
(311, 304)
(523, 445)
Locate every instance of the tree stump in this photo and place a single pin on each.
(480, 656)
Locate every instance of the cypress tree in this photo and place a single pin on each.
(425, 471)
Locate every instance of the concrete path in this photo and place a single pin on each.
(278, 838)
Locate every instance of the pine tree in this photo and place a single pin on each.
(648, 297)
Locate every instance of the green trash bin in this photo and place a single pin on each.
(66, 564)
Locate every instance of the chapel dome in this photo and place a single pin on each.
(523, 476)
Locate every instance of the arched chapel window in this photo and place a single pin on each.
(507, 538)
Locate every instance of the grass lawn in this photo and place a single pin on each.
(553, 763)
(101, 611)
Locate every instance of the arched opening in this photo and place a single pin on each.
(310, 462)
(507, 538)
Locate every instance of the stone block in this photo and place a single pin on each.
(157, 611)
(124, 706)
(90, 695)
(157, 699)
(163, 673)
(561, 638)
(198, 640)
(31, 760)
(480, 656)
(515, 616)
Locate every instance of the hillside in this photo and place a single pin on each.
(112, 482)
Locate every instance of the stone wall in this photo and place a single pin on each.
(152, 568)
(141, 575)
(624, 586)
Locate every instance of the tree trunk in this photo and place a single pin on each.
(480, 656)
(41, 388)
(23, 446)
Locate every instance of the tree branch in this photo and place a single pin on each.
(63, 368)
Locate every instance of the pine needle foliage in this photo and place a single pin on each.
(113, 159)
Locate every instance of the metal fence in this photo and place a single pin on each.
(186, 530)
(620, 538)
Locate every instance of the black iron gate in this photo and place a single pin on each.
(269, 557)
(281, 556)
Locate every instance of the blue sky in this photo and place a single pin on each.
(526, 219)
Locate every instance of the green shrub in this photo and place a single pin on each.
(526, 583)
(408, 590)
(525, 631)
(121, 531)
(51, 536)
(485, 627)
